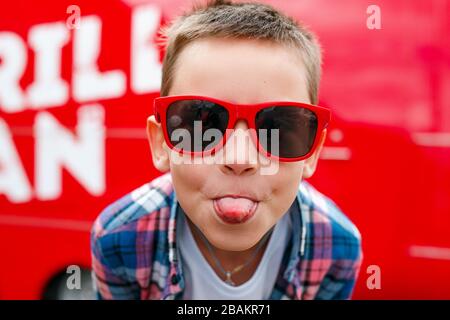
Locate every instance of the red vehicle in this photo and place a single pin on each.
(74, 99)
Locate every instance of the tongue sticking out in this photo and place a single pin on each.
(235, 210)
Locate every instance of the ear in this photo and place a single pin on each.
(311, 162)
(160, 154)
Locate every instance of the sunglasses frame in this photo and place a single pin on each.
(237, 112)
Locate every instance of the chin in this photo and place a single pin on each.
(235, 247)
(233, 240)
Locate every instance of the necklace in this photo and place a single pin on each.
(228, 274)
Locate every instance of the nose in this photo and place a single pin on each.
(240, 154)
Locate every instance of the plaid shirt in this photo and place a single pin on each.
(134, 251)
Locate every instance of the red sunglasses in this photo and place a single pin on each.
(298, 125)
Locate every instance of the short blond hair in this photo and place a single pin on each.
(248, 20)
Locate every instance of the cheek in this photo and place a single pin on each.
(189, 181)
(285, 185)
(187, 177)
(289, 175)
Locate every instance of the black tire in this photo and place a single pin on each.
(57, 288)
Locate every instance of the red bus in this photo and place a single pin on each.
(74, 98)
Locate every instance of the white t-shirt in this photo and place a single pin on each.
(202, 282)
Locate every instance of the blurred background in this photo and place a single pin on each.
(74, 98)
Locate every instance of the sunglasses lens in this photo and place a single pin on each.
(196, 125)
(297, 128)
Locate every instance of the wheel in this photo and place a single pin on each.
(58, 288)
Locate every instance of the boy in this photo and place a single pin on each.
(228, 221)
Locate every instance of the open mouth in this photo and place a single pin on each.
(235, 209)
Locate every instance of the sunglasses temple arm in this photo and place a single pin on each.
(155, 113)
(328, 121)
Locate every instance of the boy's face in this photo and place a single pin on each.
(242, 72)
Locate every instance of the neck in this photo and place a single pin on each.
(230, 259)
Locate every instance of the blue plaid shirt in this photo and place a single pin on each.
(135, 256)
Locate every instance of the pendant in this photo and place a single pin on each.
(228, 279)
